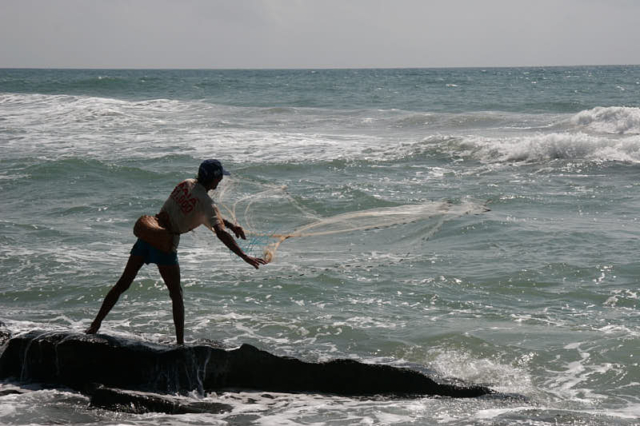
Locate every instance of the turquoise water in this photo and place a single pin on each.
(479, 223)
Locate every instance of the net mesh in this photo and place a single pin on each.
(270, 216)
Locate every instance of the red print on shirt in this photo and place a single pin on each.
(183, 198)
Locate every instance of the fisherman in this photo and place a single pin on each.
(188, 207)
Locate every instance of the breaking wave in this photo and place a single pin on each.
(618, 120)
(538, 148)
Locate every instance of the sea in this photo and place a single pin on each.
(482, 224)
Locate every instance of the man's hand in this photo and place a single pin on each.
(232, 245)
(237, 229)
(254, 261)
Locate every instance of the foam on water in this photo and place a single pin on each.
(540, 148)
(200, 131)
(616, 120)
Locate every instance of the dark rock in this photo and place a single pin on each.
(80, 361)
(6, 389)
(5, 334)
(251, 368)
(144, 402)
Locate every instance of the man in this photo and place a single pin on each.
(188, 207)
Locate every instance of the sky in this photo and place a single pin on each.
(317, 33)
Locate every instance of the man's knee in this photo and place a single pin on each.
(175, 289)
(175, 292)
(122, 286)
(171, 277)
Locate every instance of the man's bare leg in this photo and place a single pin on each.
(130, 271)
(171, 276)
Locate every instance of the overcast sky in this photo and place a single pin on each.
(317, 33)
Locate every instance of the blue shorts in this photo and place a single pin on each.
(153, 255)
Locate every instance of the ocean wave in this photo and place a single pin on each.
(617, 120)
(468, 120)
(59, 125)
(538, 148)
(61, 104)
(107, 129)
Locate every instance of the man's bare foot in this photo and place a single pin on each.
(93, 329)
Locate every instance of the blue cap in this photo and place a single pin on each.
(210, 170)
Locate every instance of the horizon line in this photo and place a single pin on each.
(71, 68)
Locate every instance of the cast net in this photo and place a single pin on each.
(270, 216)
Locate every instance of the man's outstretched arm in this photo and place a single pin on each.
(231, 244)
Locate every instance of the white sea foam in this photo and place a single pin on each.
(573, 381)
(107, 129)
(547, 147)
(620, 120)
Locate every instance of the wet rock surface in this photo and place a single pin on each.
(145, 402)
(5, 334)
(94, 363)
